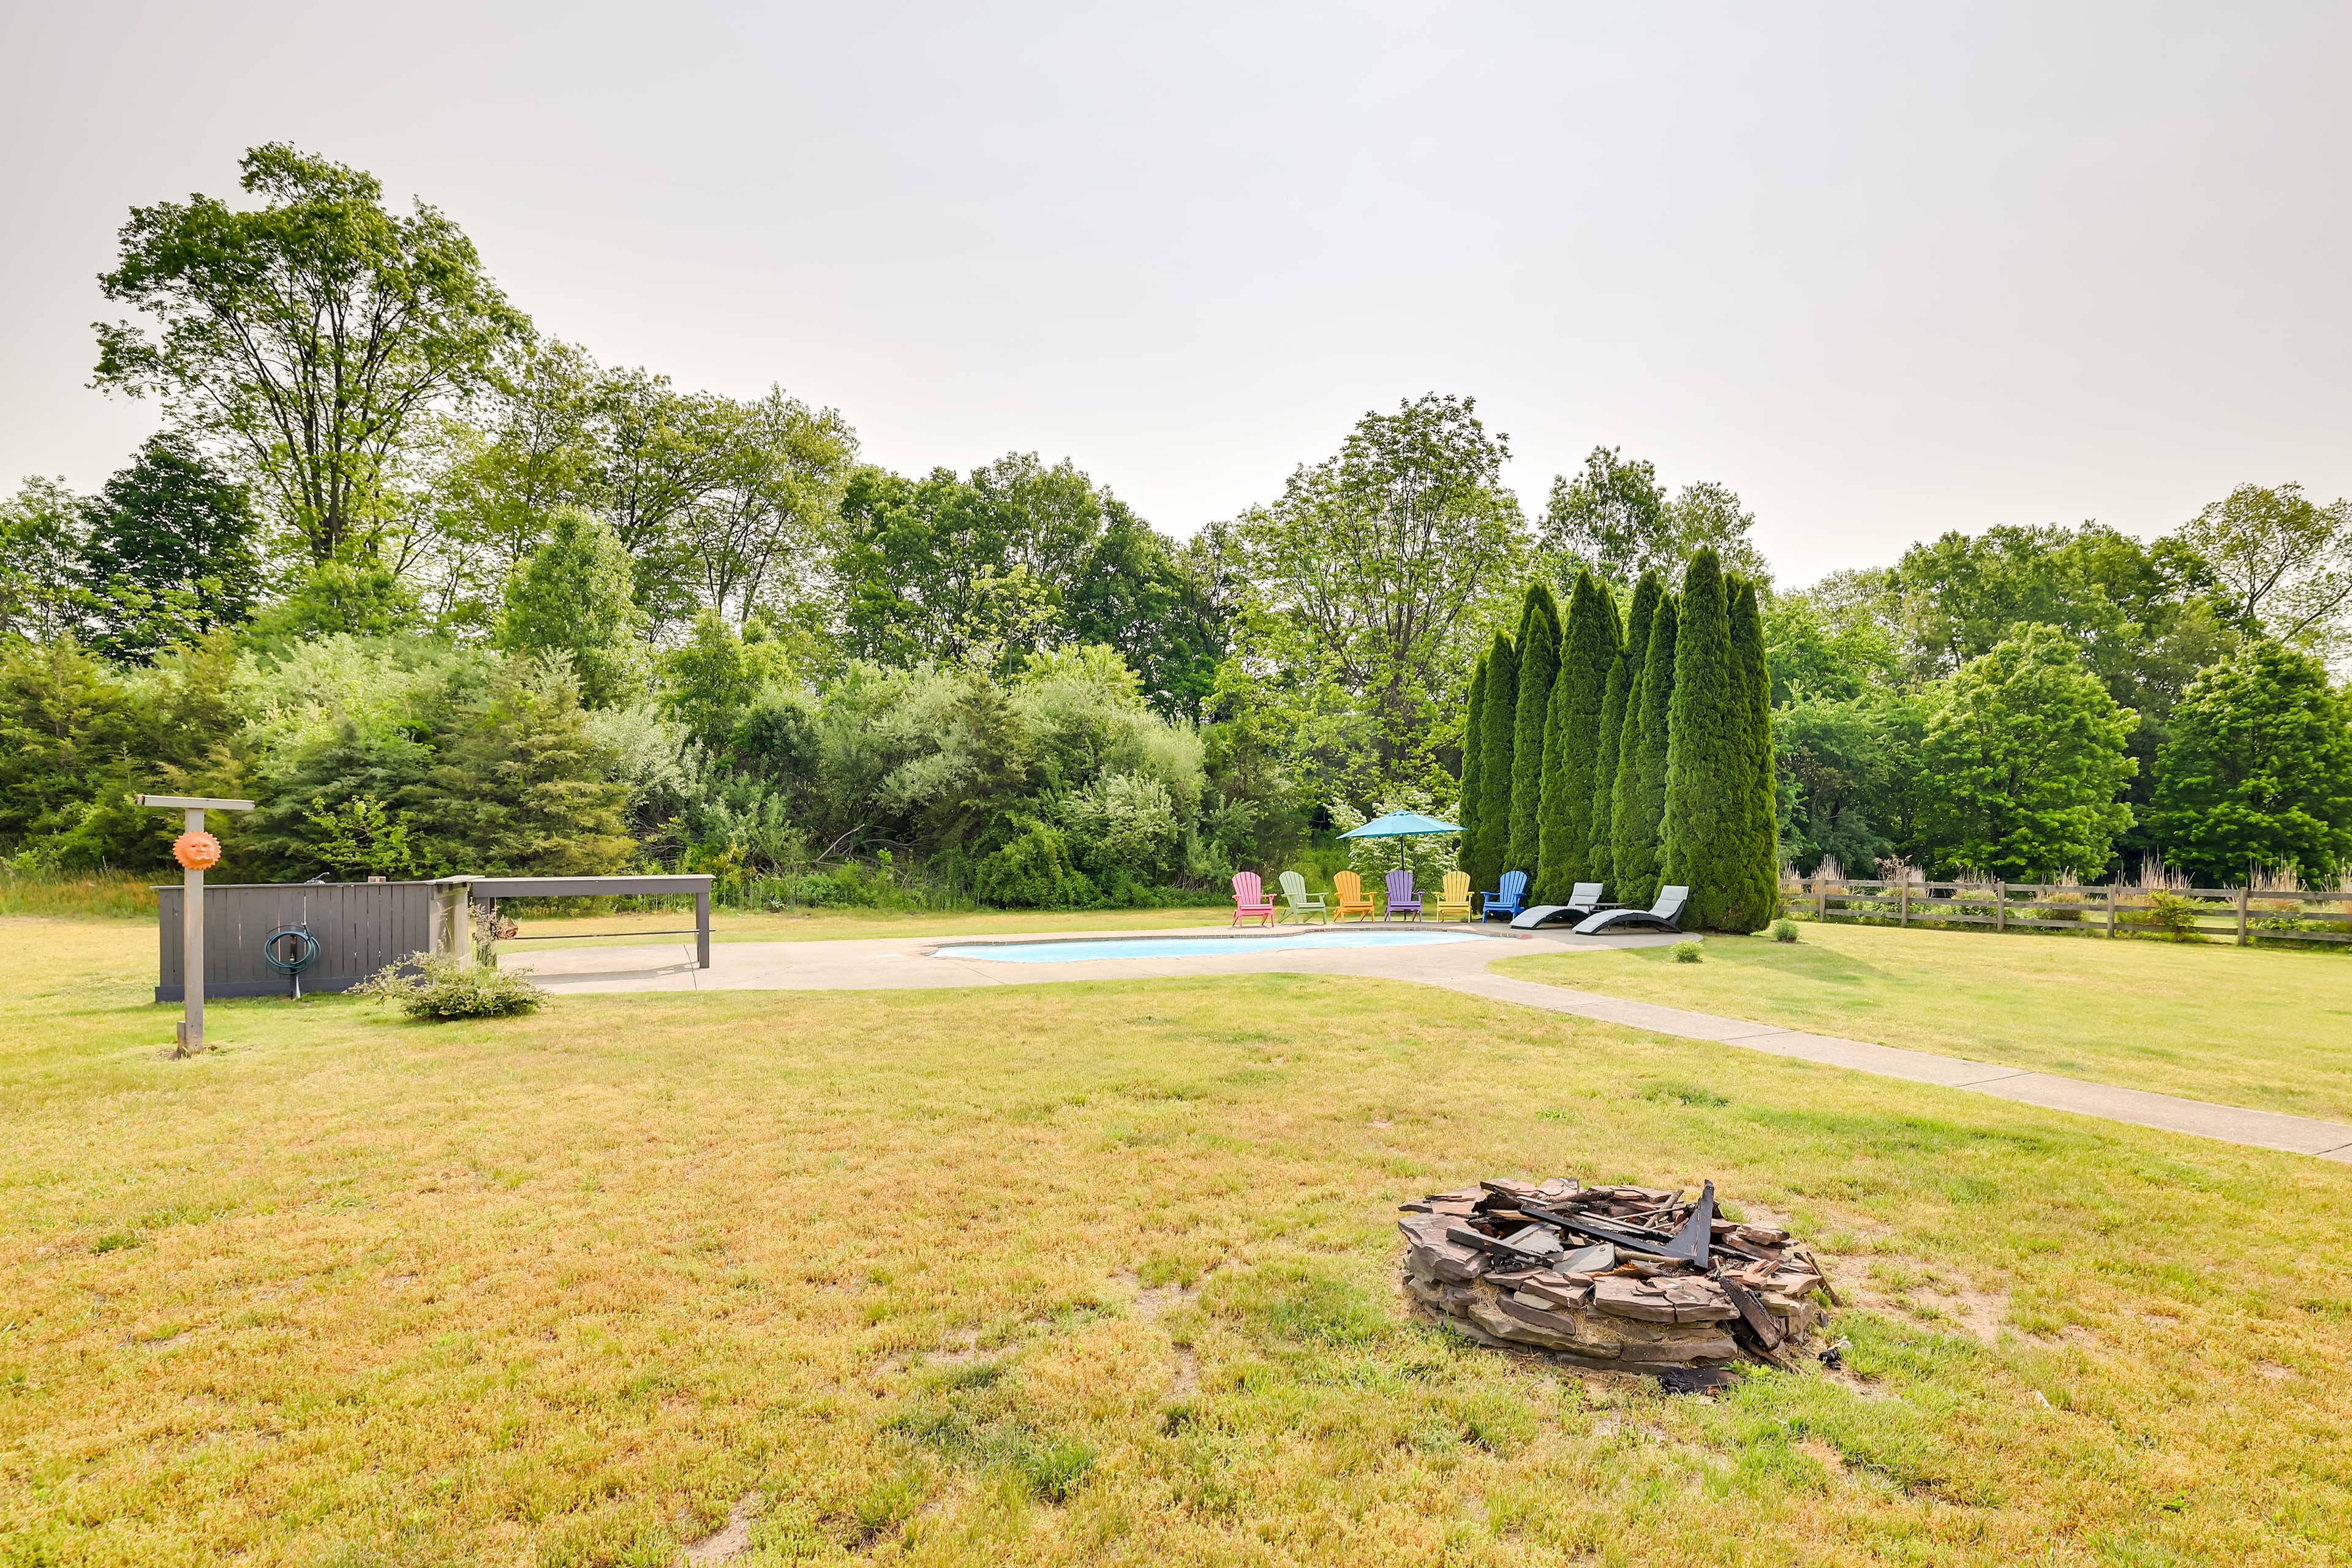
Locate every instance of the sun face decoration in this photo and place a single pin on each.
(196, 851)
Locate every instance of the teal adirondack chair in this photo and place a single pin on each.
(1301, 902)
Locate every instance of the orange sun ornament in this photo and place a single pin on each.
(196, 851)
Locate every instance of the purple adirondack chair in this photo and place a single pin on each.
(1403, 900)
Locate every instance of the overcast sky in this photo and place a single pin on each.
(1884, 271)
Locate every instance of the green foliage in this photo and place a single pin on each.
(1031, 872)
(714, 675)
(2257, 774)
(1758, 896)
(1373, 581)
(358, 596)
(519, 784)
(41, 596)
(1473, 753)
(1618, 700)
(1615, 520)
(1636, 854)
(170, 552)
(1539, 649)
(319, 313)
(2025, 752)
(1688, 953)
(1708, 759)
(362, 837)
(2280, 564)
(1784, 930)
(1573, 738)
(575, 594)
(1496, 766)
(1849, 782)
(437, 987)
(2173, 914)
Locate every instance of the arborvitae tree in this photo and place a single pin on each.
(1704, 831)
(1494, 764)
(1573, 738)
(1538, 663)
(1640, 790)
(1757, 873)
(1473, 747)
(1624, 672)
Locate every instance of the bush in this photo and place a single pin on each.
(2173, 914)
(435, 985)
(1784, 930)
(1033, 872)
(1687, 953)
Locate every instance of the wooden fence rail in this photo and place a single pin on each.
(2239, 914)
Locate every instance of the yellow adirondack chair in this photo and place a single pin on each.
(1352, 901)
(1454, 903)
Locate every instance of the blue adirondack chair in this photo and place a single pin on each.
(1508, 898)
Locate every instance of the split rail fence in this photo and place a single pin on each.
(2246, 916)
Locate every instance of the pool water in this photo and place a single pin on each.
(1070, 952)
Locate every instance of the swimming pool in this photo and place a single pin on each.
(1074, 950)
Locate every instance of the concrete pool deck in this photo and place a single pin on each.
(906, 963)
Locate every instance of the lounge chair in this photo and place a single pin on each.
(1300, 902)
(1403, 900)
(1508, 896)
(1352, 901)
(1249, 903)
(1455, 902)
(1666, 914)
(1583, 902)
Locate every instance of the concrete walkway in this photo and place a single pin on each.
(908, 962)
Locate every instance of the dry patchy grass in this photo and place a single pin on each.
(824, 925)
(1084, 1273)
(2248, 1027)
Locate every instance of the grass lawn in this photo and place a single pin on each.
(1084, 1273)
(2249, 1027)
(824, 925)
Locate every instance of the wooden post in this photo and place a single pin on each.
(2242, 895)
(1821, 894)
(194, 852)
(702, 927)
(2111, 911)
(1903, 902)
(2000, 906)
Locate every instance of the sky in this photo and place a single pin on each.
(1887, 271)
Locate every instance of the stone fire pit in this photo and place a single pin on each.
(1626, 1278)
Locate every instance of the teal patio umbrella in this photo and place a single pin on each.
(1400, 824)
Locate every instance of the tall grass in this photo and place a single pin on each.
(86, 895)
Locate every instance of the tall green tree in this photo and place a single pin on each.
(521, 785)
(1641, 802)
(42, 595)
(1615, 518)
(1572, 737)
(2258, 772)
(1617, 703)
(170, 551)
(1758, 888)
(1500, 724)
(2024, 758)
(309, 336)
(576, 595)
(2281, 562)
(1708, 763)
(1539, 648)
(1375, 571)
(1474, 752)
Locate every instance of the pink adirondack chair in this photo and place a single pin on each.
(1403, 900)
(1249, 899)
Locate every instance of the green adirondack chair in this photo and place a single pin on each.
(1301, 902)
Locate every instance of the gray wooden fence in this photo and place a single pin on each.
(2241, 915)
(360, 927)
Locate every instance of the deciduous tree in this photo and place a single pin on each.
(2257, 774)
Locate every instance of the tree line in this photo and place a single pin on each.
(444, 592)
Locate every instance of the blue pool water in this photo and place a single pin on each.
(1068, 952)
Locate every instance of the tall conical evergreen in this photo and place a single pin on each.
(1494, 764)
(1474, 745)
(1758, 882)
(1572, 737)
(1642, 763)
(1539, 661)
(1709, 772)
(1601, 862)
